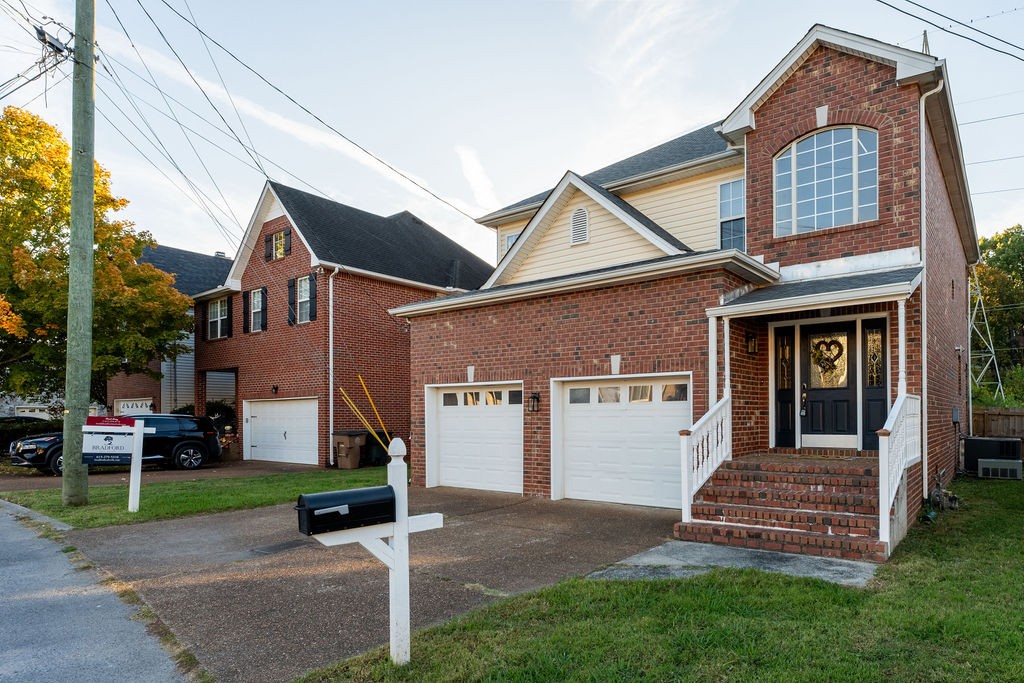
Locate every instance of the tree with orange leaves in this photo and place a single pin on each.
(137, 315)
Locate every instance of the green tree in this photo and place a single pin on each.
(138, 315)
(1001, 276)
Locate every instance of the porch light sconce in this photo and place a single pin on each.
(751, 343)
(273, 389)
(152, 407)
(534, 402)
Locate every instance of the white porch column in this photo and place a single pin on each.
(727, 382)
(712, 361)
(902, 327)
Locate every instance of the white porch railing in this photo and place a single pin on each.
(899, 444)
(703, 448)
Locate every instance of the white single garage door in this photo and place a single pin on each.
(621, 440)
(480, 437)
(282, 431)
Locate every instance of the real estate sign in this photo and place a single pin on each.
(107, 448)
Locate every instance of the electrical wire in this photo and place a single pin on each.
(967, 26)
(989, 161)
(993, 118)
(322, 122)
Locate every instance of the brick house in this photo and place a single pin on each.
(139, 393)
(778, 297)
(304, 311)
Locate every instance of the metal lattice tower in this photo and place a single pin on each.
(984, 366)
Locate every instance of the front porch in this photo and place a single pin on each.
(816, 440)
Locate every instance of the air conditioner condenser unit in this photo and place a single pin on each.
(999, 469)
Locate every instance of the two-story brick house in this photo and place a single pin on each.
(303, 313)
(778, 297)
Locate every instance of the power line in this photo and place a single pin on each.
(334, 130)
(960, 23)
(992, 118)
(989, 161)
(932, 23)
(1009, 189)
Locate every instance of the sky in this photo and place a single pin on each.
(481, 102)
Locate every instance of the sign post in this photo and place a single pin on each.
(395, 552)
(116, 441)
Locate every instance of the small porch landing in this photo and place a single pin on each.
(811, 504)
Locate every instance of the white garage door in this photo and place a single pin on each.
(480, 437)
(282, 431)
(621, 440)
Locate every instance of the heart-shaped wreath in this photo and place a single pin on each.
(826, 354)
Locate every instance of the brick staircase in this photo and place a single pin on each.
(805, 505)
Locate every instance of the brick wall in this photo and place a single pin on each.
(136, 385)
(857, 92)
(295, 357)
(948, 326)
(657, 326)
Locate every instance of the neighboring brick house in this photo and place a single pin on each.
(304, 312)
(139, 393)
(753, 295)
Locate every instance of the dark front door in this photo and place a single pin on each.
(876, 395)
(828, 390)
(785, 388)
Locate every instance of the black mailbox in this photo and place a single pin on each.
(334, 510)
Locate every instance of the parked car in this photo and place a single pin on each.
(180, 441)
(16, 426)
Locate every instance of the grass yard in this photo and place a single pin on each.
(949, 606)
(109, 504)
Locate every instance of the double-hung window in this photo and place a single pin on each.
(256, 310)
(827, 180)
(217, 319)
(732, 208)
(302, 291)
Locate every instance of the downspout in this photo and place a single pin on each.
(922, 126)
(330, 359)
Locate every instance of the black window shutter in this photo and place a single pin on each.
(263, 318)
(230, 319)
(268, 247)
(245, 312)
(204, 315)
(287, 241)
(312, 296)
(291, 302)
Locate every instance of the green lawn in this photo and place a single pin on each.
(949, 606)
(109, 504)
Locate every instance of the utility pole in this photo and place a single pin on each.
(78, 376)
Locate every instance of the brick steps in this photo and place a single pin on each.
(791, 504)
(783, 540)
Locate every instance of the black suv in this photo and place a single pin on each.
(180, 440)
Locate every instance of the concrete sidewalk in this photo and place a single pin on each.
(60, 624)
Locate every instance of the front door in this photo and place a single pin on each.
(828, 389)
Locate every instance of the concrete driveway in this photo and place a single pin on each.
(256, 601)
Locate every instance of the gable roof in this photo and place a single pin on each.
(401, 246)
(694, 147)
(618, 207)
(193, 273)
(910, 66)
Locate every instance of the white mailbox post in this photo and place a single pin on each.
(395, 552)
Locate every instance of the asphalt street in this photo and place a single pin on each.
(60, 624)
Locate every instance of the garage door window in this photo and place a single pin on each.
(674, 392)
(515, 397)
(608, 395)
(579, 395)
(640, 393)
(471, 398)
(492, 398)
(450, 398)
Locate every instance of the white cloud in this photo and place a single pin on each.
(476, 176)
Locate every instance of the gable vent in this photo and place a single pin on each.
(579, 226)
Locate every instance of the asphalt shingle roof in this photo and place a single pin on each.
(833, 285)
(697, 144)
(193, 273)
(401, 245)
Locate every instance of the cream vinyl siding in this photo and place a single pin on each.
(506, 230)
(611, 243)
(688, 209)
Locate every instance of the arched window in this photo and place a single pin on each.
(826, 180)
(579, 226)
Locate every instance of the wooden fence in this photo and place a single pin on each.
(998, 421)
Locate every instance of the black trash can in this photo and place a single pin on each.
(375, 455)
